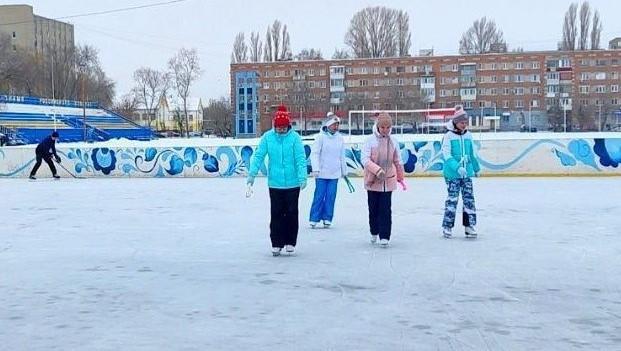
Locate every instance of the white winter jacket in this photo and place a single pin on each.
(328, 155)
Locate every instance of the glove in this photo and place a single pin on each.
(57, 158)
(404, 186)
(462, 172)
(303, 185)
(250, 180)
(381, 174)
(249, 190)
(477, 174)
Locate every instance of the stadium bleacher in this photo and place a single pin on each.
(30, 119)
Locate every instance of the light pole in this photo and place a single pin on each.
(530, 118)
(564, 119)
(600, 118)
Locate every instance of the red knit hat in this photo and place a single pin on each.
(281, 117)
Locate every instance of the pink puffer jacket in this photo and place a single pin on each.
(380, 152)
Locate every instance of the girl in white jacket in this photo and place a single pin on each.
(328, 165)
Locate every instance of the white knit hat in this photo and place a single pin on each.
(331, 118)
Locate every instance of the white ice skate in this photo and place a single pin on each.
(471, 232)
(384, 243)
(327, 224)
(447, 232)
(374, 239)
(313, 225)
(276, 251)
(290, 249)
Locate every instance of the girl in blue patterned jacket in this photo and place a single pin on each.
(460, 165)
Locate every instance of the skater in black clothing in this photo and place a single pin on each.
(44, 152)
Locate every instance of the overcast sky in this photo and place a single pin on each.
(150, 36)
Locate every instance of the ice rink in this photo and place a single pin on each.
(185, 264)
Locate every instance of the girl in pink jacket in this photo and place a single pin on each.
(382, 171)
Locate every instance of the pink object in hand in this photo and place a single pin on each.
(404, 186)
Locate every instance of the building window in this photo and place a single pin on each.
(322, 72)
(322, 84)
(519, 103)
(600, 89)
(584, 102)
(311, 72)
(519, 91)
(535, 65)
(614, 101)
(505, 104)
(535, 90)
(614, 88)
(519, 65)
(534, 103)
(584, 89)
(241, 91)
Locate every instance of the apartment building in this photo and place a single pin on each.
(510, 89)
(35, 33)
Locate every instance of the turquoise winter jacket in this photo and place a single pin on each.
(458, 150)
(286, 164)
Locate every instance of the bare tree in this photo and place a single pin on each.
(585, 23)
(267, 52)
(379, 32)
(404, 37)
(285, 51)
(151, 86)
(276, 39)
(185, 70)
(570, 28)
(341, 54)
(256, 47)
(218, 117)
(126, 106)
(481, 37)
(309, 54)
(596, 31)
(240, 49)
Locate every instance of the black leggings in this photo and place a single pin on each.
(284, 212)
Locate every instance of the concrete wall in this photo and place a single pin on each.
(571, 154)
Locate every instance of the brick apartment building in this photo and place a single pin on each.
(501, 91)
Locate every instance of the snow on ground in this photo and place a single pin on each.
(184, 264)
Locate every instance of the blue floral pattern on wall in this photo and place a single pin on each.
(418, 157)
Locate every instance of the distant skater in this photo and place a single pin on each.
(44, 152)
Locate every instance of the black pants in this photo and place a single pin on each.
(284, 212)
(48, 160)
(380, 213)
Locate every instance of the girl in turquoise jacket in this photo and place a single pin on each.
(460, 165)
(286, 176)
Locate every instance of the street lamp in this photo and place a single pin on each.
(564, 118)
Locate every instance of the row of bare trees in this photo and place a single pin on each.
(152, 85)
(73, 74)
(277, 45)
(581, 30)
(384, 32)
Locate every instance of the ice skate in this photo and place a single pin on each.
(471, 232)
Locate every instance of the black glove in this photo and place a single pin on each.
(57, 158)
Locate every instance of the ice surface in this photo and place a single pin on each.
(185, 264)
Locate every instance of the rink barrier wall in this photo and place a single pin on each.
(571, 156)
